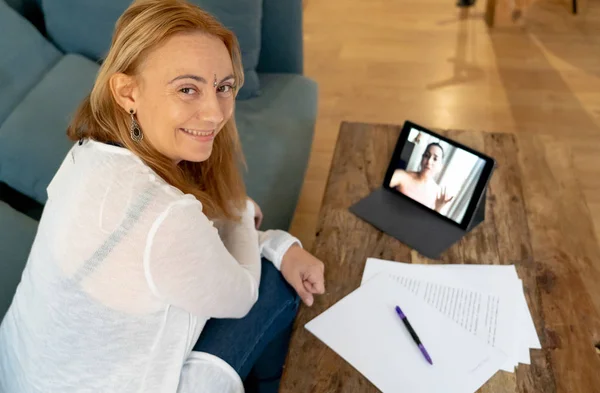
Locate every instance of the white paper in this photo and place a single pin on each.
(489, 315)
(495, 276)
(500, 279)
(364, 329)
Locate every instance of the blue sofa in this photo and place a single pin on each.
(48, 62)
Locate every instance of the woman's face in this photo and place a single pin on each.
(431, 163)
(184, 95)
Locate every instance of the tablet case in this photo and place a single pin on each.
(412, 224)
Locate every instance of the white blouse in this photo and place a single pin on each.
(124, 272)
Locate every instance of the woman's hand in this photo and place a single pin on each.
(441, 199)
(258, 214)
(304, 273)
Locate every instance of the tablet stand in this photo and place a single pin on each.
(413, 224)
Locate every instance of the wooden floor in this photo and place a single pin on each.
(386, 61)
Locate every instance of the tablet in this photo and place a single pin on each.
(438, 173)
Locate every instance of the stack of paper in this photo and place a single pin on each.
(472, 319)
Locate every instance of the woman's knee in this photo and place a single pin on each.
(275, 311)
(241, 341)
(275, 292)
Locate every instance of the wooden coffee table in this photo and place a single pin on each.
(536, 219)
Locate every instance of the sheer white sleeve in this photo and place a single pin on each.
(188, 265)
(274, 243)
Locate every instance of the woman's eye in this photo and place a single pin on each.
(225, 89)
(187, 90)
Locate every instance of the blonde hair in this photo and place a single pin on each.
(217, 182)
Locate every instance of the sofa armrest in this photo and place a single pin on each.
(20, 202)
(17, 233)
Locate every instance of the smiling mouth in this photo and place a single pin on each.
(198, 132)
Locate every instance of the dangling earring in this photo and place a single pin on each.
(135, 130)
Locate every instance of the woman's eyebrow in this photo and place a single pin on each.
(189, 76)
(198, 78)
(230, 76)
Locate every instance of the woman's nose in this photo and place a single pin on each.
(210, 110)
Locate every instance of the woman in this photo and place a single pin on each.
(421, 186)
(148, 232)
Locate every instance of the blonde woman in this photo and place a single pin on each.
(146, 267)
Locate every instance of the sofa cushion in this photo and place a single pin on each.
(276, 131)
(26, 56)
(17, 232)
(33, 139)
(30, 9)
(281, 47)
(86, 27)
(25, 7)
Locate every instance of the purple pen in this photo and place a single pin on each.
(413, 334)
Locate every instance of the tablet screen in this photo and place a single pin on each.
(436, 173)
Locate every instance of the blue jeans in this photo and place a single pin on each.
(256, 345)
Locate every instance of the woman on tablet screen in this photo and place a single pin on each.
(421, 186)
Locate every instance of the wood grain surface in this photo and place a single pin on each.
(536, 219)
